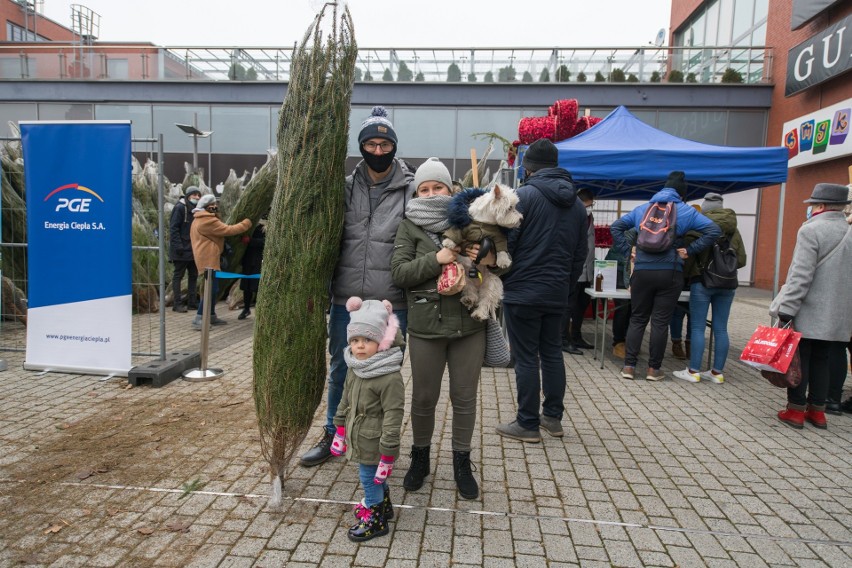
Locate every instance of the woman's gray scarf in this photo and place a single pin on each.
(381, 363)
(430, 214)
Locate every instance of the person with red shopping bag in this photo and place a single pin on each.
(817, 299)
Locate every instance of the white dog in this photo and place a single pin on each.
(476, 217)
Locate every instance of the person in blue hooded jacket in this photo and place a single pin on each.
(548, 253)
(657, 279)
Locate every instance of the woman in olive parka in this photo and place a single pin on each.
(441, 332)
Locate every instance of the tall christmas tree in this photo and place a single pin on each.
(303, 238)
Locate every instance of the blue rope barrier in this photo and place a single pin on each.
(235, 275)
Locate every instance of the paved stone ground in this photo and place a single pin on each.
(649, 474)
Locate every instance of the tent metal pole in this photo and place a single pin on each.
(780, 232)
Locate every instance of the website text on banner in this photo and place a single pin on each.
(79, 230)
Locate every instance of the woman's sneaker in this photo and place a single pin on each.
(713, 377)
(688, 376)
(627, 372)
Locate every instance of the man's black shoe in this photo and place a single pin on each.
(833, 407)
(846, 405)
(582, 344)
(319, 453)
(571, 349)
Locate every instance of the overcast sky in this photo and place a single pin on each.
(379, 23)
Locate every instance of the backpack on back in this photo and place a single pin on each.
(657, 229)
(721, 269)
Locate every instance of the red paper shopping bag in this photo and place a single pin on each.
(771, 348)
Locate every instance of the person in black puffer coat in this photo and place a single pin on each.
(548, 253)
(180, 250)
(251, 263)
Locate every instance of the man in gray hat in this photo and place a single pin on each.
(817, 299)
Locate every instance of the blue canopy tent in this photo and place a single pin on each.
(621, 157)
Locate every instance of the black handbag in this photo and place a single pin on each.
(225, 257)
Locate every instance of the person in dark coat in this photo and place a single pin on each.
(621, 311)
(548, 254)
(180, 250)
(572, 337)
(251, 262)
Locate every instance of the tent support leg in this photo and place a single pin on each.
(782, 197)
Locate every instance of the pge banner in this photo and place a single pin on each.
(79, 239)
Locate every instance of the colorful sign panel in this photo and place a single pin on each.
(79, 246)
(819, 136)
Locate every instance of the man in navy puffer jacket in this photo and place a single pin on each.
(657, 279)
(548, 252)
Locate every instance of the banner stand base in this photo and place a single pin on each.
(160, 372)
(199, 375)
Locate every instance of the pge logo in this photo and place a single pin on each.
(73, 204)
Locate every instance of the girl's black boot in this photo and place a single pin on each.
(371, 523)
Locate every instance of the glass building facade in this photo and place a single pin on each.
(739, 24)
(442, 131)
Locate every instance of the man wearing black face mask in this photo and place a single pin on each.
(376, 194)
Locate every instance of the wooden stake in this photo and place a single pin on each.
(475, 167)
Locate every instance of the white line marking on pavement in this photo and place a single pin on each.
(460, 511)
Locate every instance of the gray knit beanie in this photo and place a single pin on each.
(377, 125)
(712, 201)
(205, 202)
(192, 190)
(372, 319)
(433, 170)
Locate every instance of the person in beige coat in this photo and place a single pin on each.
(207, 234)
(817, 300)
